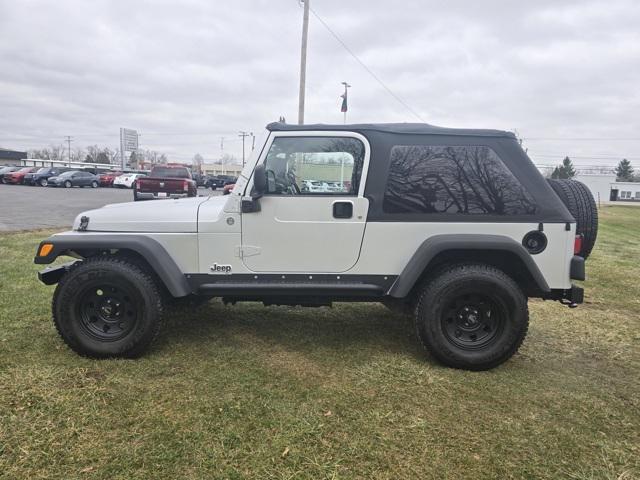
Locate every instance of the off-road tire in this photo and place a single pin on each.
(434, 319)
(140, 288)
(581, 204)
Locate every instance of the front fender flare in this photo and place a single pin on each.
(441, 243)
(151, 250)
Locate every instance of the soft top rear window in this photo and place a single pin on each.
(462, 180)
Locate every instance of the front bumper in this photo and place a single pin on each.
(52, 275)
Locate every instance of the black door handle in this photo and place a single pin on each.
(342, 210)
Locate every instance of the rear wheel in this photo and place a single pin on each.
(107, 307)
(471, 316)
(581, 204)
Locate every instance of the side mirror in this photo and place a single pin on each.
(259, 181)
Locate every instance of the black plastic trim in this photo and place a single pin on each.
(577, 269)
(154, 253)
(316, 285)
(441, 243)
(52, 275)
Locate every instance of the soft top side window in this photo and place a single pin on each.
(463, 180)
(314, 166)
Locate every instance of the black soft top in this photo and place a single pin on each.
(397, 128)
(383, 137)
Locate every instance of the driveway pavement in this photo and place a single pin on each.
(28, 208)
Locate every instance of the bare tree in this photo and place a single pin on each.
(197, 162)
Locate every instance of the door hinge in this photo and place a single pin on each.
(247, 251)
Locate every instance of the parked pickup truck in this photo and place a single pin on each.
(165, 182)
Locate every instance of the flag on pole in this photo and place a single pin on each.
(344, 108)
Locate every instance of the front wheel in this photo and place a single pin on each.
(107, 307)
(94, 184)
(472, 316)
(67, 184)
(43, 182)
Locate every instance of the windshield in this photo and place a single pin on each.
(43, 170)
(171, 172)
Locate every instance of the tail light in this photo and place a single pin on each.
(577, 245)
(185, 185)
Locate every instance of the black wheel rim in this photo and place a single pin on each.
(107, 311)
(473, 321)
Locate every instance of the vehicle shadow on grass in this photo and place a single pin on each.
(361, 330)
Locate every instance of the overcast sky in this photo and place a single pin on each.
(565, 74)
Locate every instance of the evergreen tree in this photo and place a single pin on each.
(565, 170)
(624, 171)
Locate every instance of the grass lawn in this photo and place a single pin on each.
(249, 392)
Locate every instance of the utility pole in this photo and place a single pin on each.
(222, 154)
(253, 142)
(243, 135)
(303, 61)
(68, 137)
(345, 106)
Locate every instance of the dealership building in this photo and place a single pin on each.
(11, 157)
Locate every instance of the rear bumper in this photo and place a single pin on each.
(157, 196)
(577, 270)
(572, 297)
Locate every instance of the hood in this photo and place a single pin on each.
(163, 216)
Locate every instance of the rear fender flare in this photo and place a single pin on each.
(437, 244)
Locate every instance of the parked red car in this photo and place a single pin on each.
(106, 179)
(17, 177)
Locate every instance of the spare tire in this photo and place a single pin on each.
(581, 204)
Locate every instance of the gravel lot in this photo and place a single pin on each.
(28, 208)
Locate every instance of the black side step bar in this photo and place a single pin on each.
(292, 289)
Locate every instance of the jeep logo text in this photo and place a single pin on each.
(222, 269)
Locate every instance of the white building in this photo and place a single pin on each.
(599, 184)
(625, 191)
(218, 169)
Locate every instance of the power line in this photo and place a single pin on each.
(377, 79)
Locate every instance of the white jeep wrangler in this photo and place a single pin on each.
(456, 226)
